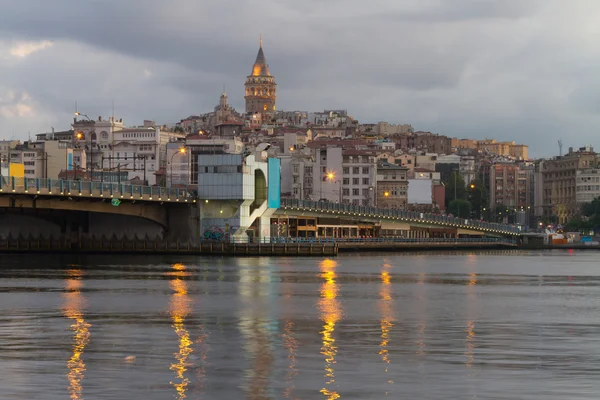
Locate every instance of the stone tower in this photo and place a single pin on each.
(260, 86)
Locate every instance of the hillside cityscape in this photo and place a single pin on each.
(324, 156)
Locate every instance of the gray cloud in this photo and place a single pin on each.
(512, 70)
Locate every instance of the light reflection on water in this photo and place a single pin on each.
(387, 317)
(331, 311)
(179, 309)
(478, 325)
(73, 309)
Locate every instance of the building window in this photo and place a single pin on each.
(346, 181)
(365, 170)
(355, 181)
(365, 192)
(365, 181)
(356, 170)
(346, 192)
(295, 169)
(356, 192)
(346, 171)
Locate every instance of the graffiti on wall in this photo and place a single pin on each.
(218, 233)
(213, 232)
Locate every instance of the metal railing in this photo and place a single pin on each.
(373, 212)
(93, 188)
(381, 240)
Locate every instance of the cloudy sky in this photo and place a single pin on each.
(523, 70)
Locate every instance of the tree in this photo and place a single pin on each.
(455, 181)
(478, 197)
(590, 218)
(578, 224)
(498, 212)
(460, 208)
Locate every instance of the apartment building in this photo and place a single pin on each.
(392, 186)
(46, 159)
(587, 185)
(559, 187)
(510, 186)
(344, 175)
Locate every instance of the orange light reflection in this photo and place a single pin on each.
(73, 309)
(179, 309)
(387, 318)
(331, 312)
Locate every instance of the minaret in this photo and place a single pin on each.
(260, 86)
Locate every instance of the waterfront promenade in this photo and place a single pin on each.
(270, 246)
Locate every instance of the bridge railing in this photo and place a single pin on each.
(94, 188)
(385, 212)
(389, 240)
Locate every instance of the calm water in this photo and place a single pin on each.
(498, 325)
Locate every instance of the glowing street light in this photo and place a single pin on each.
(182, 150)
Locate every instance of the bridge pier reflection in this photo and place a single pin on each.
(257, 326)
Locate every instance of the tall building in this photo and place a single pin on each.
(260, 87)
(392, 186)
(559, 175)
(510, 186)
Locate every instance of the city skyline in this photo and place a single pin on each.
(519, 71)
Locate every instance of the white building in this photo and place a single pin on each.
(467, 169)
(141, 151)
(588, 185)
(182, 156)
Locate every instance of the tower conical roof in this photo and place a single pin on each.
(260, 67)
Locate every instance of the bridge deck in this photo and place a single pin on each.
(373, 213)
(57, 187)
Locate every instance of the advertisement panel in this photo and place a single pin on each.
(17, 170)
(274, 189)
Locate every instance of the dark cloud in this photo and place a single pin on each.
(512, 70)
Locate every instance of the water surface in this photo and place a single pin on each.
(490, 325)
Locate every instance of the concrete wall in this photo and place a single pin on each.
(49, 223)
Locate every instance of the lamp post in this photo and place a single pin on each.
(331, 178)
(181, 151)
(79, 135)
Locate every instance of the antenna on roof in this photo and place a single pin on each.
(560, 147)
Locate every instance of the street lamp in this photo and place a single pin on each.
(331, 178)
(79, 136)
(78, 114)
(181, 152)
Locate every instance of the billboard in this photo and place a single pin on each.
(419, 191)
(274, 189)
(17, 170)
